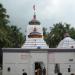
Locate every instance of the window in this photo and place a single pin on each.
(71, 60)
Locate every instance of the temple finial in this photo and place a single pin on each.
(34, 7)
(34, 21)
(34, 16)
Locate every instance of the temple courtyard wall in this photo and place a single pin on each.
(17, 60)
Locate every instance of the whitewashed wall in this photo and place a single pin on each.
(63, 59)
(19, 61)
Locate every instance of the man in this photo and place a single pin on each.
(59, 73)
(24, 73)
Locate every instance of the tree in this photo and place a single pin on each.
(57, 33)
(3, 16)
(10, 36)
(18, 38)
(3, 25)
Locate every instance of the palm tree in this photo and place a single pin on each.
(57, 33)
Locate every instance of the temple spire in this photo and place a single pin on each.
(34, 16)
(34, 21)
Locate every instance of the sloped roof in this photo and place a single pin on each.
(35, 43)
(67, 42)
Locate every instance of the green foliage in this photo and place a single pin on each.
(56, 34)
(10, 36)
(3, 16)
(18, 38)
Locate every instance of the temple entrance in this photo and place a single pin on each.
(39, 68)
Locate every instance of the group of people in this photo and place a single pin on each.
(40, 71)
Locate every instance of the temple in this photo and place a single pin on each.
(36, 58)
(34, 36)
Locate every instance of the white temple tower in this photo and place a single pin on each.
(34, 36)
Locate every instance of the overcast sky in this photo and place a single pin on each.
(48, 12)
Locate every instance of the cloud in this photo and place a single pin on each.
(48, 11)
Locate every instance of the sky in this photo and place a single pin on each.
(48, 12)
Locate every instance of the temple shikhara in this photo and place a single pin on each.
(34, 37)
(36, 58)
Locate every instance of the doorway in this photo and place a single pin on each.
(39, 66)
